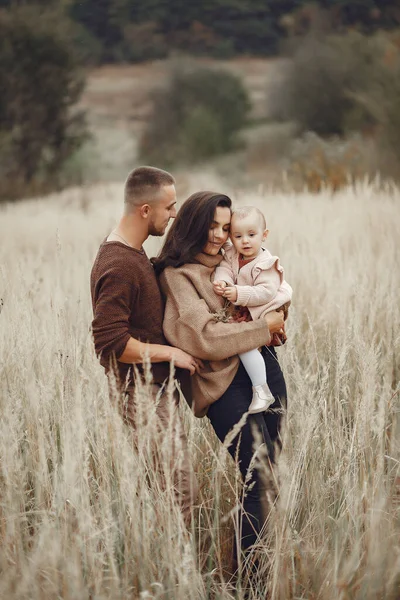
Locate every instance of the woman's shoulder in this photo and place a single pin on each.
(187, 271)
(181, 270)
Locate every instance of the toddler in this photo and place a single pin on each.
(250, 276)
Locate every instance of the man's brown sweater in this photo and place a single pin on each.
(126, 303)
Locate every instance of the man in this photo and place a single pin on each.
(128, 310)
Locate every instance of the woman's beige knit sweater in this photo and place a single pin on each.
(190, 324)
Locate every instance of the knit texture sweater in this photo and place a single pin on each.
(126, 302)
(191, 323)
(260, 284)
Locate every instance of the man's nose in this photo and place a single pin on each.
(172, 214)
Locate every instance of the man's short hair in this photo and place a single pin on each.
(245, 211)
(143, 185)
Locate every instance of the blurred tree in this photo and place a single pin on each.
(196, 117)
(104, 19)
(40, 127)
(341, 84)
(108, 28)
(249, 25)
(367, 15)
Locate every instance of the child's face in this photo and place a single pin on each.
(247, 235)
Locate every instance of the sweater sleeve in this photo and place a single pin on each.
(112, 310)
(263, 290)
(224, 271)
(189, 325)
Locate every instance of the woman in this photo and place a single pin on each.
(192, 322)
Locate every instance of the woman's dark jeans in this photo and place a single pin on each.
(227, 411)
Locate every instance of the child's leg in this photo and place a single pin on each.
(254, 364)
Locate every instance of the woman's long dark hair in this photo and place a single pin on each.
(189, 232)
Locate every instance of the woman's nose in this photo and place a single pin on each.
(219, 234)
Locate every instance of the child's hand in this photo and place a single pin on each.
(230, 293)
(219, 287)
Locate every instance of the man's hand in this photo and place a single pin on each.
(136, 352)
(219, 287)
(275, 321)
(230, 293)
(186, 361)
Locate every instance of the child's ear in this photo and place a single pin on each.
(265, 235)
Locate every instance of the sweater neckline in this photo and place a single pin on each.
(207, 260)
(122, 245)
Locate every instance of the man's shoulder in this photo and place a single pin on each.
(119, 260)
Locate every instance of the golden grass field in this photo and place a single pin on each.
(83, 515)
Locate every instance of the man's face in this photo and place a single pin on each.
(162, 210)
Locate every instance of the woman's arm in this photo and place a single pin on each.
(189, 324)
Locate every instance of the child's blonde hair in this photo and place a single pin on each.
(245, 211)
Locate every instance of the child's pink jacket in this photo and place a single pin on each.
(259, 283)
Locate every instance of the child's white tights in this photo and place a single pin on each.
(254, 364)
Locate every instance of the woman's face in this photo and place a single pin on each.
(219, 230)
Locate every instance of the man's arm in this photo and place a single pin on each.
(110, 328)
(138, 352)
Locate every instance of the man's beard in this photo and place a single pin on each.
(158, 232)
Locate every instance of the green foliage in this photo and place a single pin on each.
(216, 27)
(326, 86)
(103, 20)
(141, 42)
(40, 127)
(219, 28)
(88, 48)
(378, 100)
(312, 91)
(196, 117)
(201, 136)
(339, 85)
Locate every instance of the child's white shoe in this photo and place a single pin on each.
(262, 399)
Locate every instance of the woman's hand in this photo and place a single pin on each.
(275, 321)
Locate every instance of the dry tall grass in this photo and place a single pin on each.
(82, 515)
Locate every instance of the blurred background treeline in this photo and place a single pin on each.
(129, 30)
(284, 92)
